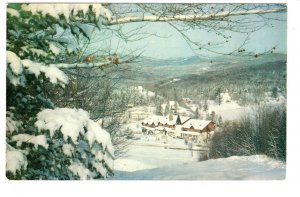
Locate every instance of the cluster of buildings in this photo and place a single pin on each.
(178, 126)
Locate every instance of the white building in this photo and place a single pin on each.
(177, 126)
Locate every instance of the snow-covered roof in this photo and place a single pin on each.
(184, 118)
(160, 119)
(156, 119)
(197, 124)
(173, 121)
(164, 119)
(188, 122)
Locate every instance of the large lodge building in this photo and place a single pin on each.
(180, 126)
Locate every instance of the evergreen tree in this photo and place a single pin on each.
(275, 92)
(205, 106)
(220, 121)
(158, 108)
(176, 106)
(197, 113)
(178, 121)
(218, 96)
(43, 141)
(170, 115)
(167, 108)
(213, 116)
(200, 105)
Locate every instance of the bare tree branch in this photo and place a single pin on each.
(188, 18)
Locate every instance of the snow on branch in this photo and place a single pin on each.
(14, 62)
(17, 66)
(190, 18)
(39, 140)
(51, 72)
(67, 10)
(55, 10)
(90, 61)
(15, 159)
(68, 150)
(71, 123)
(55, 50)
(13, 12)
(12, 125)
(80, 170)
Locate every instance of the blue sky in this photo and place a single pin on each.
(173, 45)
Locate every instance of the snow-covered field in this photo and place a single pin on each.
(150, 161)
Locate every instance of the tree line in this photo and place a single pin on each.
(263, 132)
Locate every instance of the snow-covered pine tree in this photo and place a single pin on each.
(42, 141)
(220, 121)
(274, 92)
(197, 113)
(167, 108)
(205, 105)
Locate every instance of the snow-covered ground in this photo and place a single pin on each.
(230, 110)
(133, 127)
(150, 160)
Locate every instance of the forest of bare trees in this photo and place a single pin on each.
(265, 133)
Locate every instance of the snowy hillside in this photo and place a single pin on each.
(148, 159)
(257, 167)
(229, 110)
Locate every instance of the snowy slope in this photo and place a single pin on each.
(258, 167)
(148, 159)
(230, 110)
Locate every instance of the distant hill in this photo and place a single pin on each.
(260, 75)
(220, 60)
(150, 70)
(180, 61)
